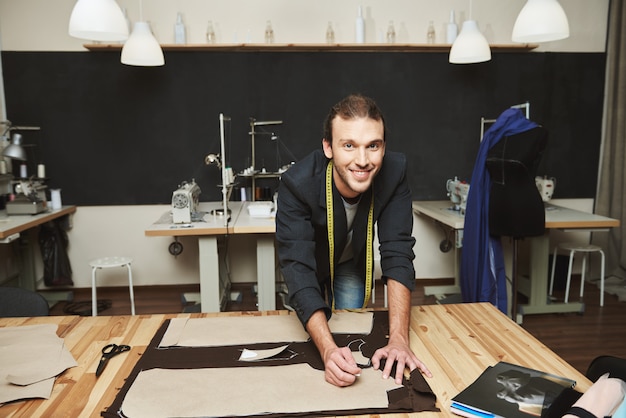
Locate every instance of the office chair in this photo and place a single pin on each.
(17, 302)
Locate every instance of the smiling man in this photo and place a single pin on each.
(328, 204)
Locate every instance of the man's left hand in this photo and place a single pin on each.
(400, 353)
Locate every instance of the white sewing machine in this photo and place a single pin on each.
(458, 191)
(185, 202)
(30, 198)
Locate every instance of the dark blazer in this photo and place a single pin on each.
(303, 237)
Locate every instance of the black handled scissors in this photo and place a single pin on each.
(110, 350)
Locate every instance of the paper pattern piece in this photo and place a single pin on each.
(30, 358)
(256, 355)
(223, 331)
(219, 392)
(351, 322)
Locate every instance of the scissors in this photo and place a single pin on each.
(110, 350)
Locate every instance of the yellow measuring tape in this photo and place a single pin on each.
(369, 255)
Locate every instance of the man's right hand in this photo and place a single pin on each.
(340, 368)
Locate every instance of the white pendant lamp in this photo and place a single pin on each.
(98, 20)
(541, 21)
(470, 46)
(142, 48)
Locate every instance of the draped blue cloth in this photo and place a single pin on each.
(482, 275)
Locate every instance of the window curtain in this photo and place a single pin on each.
(611, 190)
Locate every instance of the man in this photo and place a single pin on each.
(327, 206)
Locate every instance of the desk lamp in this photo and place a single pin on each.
(15, 149)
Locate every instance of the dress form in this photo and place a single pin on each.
(515, 205)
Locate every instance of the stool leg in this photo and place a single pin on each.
(553, 270)
(602, 279)
(130, 286)
(94, 299)
(582, 276)
(569, 275)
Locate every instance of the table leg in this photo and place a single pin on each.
(538, 298)
(266, 265)
(441, 292)
(210, 294)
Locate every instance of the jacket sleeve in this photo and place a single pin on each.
(395, 226)
(296, 238)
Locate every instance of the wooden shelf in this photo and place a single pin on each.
(314, 47)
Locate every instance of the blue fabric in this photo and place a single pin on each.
(482, 262)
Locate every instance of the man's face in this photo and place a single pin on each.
(357, 151)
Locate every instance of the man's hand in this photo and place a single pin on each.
(340, 368)
(400, 352)
(398, 349)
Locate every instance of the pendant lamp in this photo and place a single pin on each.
(98, 20)
(470, 46)
(541, 21)
(142, 49)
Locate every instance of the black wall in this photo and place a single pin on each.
(114, 135)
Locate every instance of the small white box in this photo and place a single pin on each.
(260, 209)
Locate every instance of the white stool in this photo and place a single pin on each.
(105, 263)
(573, 249)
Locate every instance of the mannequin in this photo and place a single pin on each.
(515, 206)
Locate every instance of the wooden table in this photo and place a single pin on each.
(557, 217)
(213, 278)
(457, 342)
(12, 227)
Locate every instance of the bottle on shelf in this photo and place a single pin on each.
(360, 27)
(391, 33)
(430, 34)
(330, 34)
(452, 29)
(179, 30)
(269, 33)
(210, 33)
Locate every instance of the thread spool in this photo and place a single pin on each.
(3, 167)
(55, 196)
(23, 171)
(41, 171)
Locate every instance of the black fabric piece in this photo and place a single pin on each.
(561, 404)
(580, 412)
(614, 366)
(515, 206)
(53, 243)
(227, 356)
(415, 395)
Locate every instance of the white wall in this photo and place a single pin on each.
(41, 25)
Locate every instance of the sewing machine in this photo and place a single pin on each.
(458, 191)
(185, 202)
(30, 198)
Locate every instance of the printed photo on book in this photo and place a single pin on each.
(511, 391)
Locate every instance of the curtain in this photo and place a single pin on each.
(611, 191)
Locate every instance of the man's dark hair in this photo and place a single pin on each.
(352, 107)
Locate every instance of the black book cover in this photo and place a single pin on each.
(511, 391)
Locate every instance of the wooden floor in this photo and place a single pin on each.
(577, 338)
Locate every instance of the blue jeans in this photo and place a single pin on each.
(349, 287)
